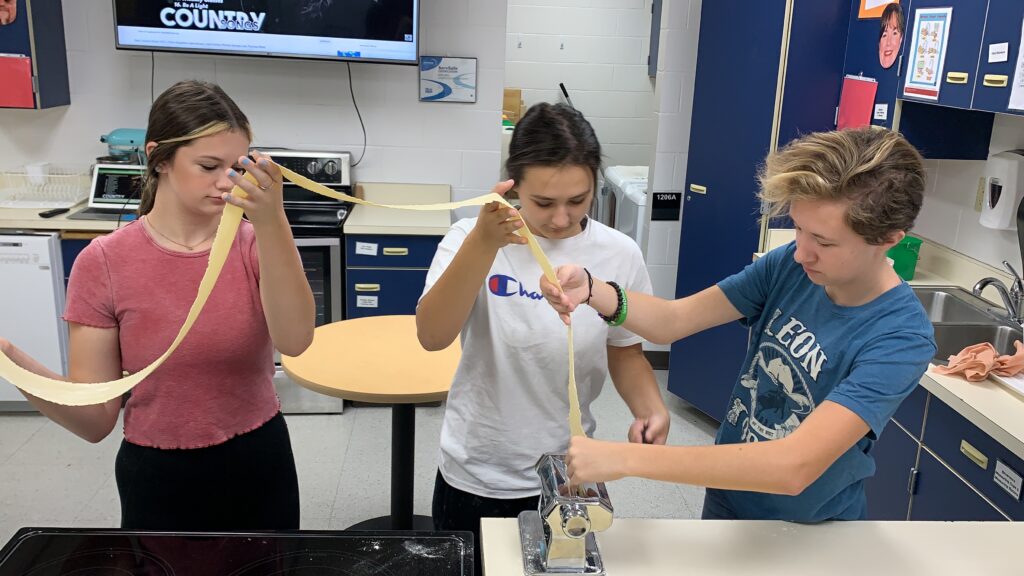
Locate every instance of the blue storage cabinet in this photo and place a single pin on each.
(965, 32)
(889, 490)
(993, 80)
(947, 129)
(895, 453)
(973, 454)
(731, 133)
(933, 464)
(940, 495)
(862, 60)
(37, 33)
(70, 248)
(391, 278)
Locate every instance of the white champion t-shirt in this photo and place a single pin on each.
(508, 403)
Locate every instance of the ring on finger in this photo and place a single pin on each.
(262, 187)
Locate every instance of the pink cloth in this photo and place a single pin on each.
(975, 362)
(218, 384)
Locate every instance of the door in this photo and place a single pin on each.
(942, 495)
(1002, 27)
(321, 261)
(730, 133)
(888, 491)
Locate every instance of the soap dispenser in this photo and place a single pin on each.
(1004, 186)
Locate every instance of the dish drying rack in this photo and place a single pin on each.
(61, 186)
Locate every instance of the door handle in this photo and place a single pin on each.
(912, 481)
(367, 287)
(995, 80)
(698, 189)
(395, 251)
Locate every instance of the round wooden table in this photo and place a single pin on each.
(378, 359)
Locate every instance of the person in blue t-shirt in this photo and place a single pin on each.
(837, 339)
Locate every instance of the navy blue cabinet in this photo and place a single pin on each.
(70, 248)
(33, 58)
(910, 414)
(945, 469)
(941, 495)
(385, 273)
(732, 129)
(382, 291)
(975, 456)
(862, 59)
(888, 491)
(943, 129)
(956, 85)
(993, 81)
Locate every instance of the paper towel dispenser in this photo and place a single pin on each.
(1004, 186)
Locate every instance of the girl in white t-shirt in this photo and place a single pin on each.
(508, 403)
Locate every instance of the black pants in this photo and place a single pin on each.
(246, 483)
(454, 509)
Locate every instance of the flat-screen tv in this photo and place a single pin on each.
(350, 30)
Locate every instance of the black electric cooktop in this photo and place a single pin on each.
(87, 552)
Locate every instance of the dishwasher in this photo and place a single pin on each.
(31, 305)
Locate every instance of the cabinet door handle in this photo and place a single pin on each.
(974, 455)
(957, 77)
(698, 189)
(912, 482)
(995, 80)
(367, 287)
(395, 251)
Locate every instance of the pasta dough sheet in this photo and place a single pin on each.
(81, 394)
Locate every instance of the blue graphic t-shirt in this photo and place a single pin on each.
(804, 350)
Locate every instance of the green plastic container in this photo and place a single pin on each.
(904, 256)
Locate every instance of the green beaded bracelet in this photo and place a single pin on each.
(617, 317)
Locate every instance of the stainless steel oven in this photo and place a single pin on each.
(316, 223)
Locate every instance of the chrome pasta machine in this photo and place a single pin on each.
(558, 537)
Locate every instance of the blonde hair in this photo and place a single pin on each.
(875, 171)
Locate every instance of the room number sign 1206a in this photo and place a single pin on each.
(666, 205)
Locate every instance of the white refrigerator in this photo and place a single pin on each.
(31, 304)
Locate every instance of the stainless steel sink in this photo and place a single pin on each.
(952, 338)
(953, 305)
(961, 319)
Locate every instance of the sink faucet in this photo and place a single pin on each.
(1013, 298)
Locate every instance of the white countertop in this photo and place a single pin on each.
(28, 219)
(374, 220)
(653, 547)
(363, 219)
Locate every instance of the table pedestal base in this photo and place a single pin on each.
(419, 524)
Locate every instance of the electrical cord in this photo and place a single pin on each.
(136, 188)
(351, 91)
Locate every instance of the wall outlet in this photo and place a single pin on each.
(979, 199)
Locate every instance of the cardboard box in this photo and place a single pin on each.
(512, 104)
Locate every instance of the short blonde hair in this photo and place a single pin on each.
(876, 171)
